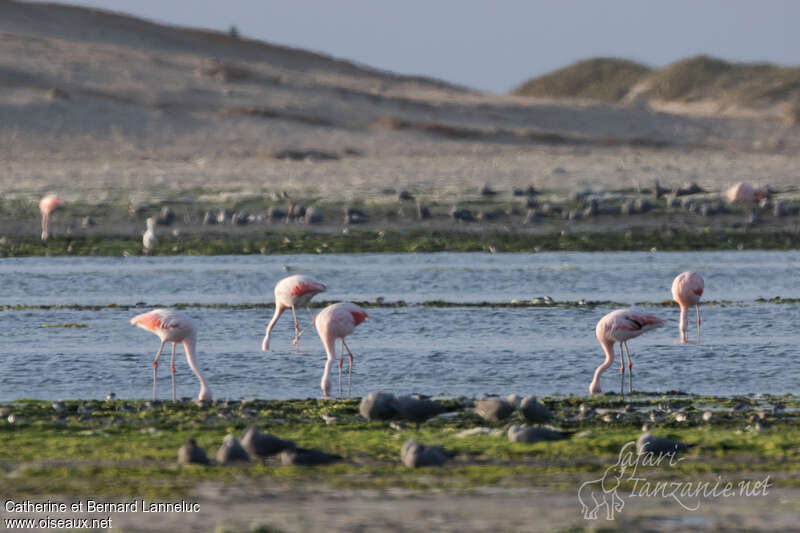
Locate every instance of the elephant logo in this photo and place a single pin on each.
(603, 492)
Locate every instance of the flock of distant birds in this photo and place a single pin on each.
(338, 320)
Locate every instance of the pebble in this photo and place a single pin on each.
(649, 443)
(262, 445)
(378, 406)
(519, 433)
(304, 457)
(493, 409)
(231, 451)
(414, 455)
(191, 453)
(533, 411)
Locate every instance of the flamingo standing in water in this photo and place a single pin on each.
(687, 288)
(620, 326)
(173, 327)
(336, 322)
(290, 293)
(149, 238)
(47, 205)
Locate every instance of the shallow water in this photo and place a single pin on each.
(747, 347)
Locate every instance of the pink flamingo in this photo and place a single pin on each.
(687, 288)
(620, 326)
(173, 327)
(47, 205)
(743, 193)
(292, 292)
(336, 322)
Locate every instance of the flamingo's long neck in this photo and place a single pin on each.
(189, 344)
(330, 350)
(608, 348)
(683, 324)
(279, 309)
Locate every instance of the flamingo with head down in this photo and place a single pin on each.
(290, 293)
(47, 205)
(620, 326)
(687, 288)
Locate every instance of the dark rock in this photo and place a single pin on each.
(404, 195)
(417, 410)
(306, 155)
(489, 215)
(423, 212)
(209, 219)
(533, 411)
(231, 451)
(304, 457)
(378, 406)
(659, 191)
(297, 211)
(414, 455)
(165, 217)
(240, 219)
(355, 216)
(461, 213)
(518, 433)
(493, 409)
(642, 205)
(487, 191)
(689, 188)
(263, 445)
(649, 443)
(275, 213)
(191, 453)
(313, 215)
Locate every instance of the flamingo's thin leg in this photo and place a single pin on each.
(350, 368)
(340, 370)
(172, 369)
(311, 321)
(296, 328)
(621, 370)
(155, 367)
(630, 367)
(697, 306)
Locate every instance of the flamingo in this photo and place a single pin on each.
(336, 322)
(149, 238)
(687, 288)
(292, 292)
(743, 193)
(173, 327)
(620, 326)
(47, 205)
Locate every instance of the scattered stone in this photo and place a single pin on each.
(514, 399)
(191, 453)
(417, 409)
(480, 430)
(275, 213)
(240, 219)
(519, 433)
(405, 196)
(296, 211)
(262, 445)
(414, 455)
(487, 191)
(313, 215)
(493, 409)
(533, 411)
(355, 216)
(462, 214)
(231, 451)
(378, 406)
(306, 155)
(304, 457)
(689, 188)
(423, 212)
(649, 443)
(166, 217)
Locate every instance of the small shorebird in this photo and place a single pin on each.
(687, 288)
(290, 293)
(336, 322)
(174, 327)
(47, 205)
(620, 326)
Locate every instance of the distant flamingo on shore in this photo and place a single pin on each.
(290, 293)
(743, 193)
(174, 327)
(47, 205)
(620, 326)
(687, 288)
(336, 322)
(149, 238)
